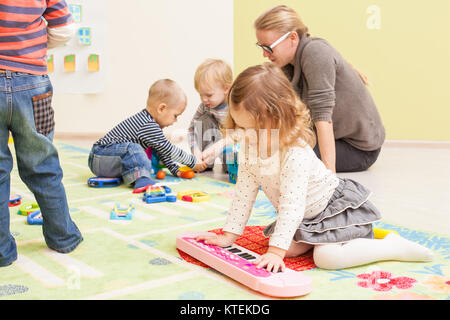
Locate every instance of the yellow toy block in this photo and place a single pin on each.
(193, 196)
(381, 233)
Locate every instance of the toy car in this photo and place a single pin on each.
(35, 218)
(27, 208)
(158, 194)
(14, 200)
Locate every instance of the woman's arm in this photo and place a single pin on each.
(327, 144)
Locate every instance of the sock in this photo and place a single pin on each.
(408, 250)
(362, 251)
(143, 182)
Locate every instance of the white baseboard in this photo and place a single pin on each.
(417, 143)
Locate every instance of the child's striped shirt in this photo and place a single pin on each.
(143, 130)
(23, 32)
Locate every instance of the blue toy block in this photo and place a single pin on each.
(35, 218)
(231, 158)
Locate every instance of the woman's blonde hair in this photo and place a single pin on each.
(266, 93)
(281, 19)
(213, 70)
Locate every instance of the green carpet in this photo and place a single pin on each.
(137, 259)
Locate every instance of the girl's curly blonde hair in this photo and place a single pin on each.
(265, 92)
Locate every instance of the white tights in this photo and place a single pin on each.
(362, 251)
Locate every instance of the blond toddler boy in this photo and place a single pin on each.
(212, 80)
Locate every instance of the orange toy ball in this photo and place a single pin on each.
(160, 175)
(188, 174)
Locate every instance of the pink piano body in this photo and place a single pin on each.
(285, 284)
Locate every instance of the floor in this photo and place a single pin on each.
(409, 183)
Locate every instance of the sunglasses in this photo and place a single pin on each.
(273, 45)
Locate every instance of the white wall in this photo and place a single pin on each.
(149, 40)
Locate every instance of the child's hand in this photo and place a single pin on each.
(200, 166)
(221, 240)
(213, 151)
(271, 260)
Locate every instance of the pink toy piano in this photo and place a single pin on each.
(236, 262)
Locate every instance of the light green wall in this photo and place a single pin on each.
(407, 60)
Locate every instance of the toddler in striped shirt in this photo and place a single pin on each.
(121, 152)
(212, 80)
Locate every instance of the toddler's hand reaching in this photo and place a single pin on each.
(200, 166)
(221, 240)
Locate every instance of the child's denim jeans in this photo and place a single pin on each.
(126, 160)
(26, 112)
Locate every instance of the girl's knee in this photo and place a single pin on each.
(328, 256)
(297, 248)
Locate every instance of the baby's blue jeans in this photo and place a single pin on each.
(126, 160)
(26, 112)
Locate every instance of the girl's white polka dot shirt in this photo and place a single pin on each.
(299, 186)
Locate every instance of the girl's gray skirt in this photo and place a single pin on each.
(348, 215)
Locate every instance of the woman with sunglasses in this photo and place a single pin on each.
(349, 129)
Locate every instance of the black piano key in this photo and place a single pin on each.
(234, 250)
(246, 256)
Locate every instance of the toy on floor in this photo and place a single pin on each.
(193, 196)
(100, 182)
(155, 194)
(14, 200)
(381, 233)
(186, 172)
(160, 175)
(35, 218)
(27, 208)
(122, 213)
(157, 165)
(231, 158)
(235, 262)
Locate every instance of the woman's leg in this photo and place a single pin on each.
(362, 251)
(351, 159)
